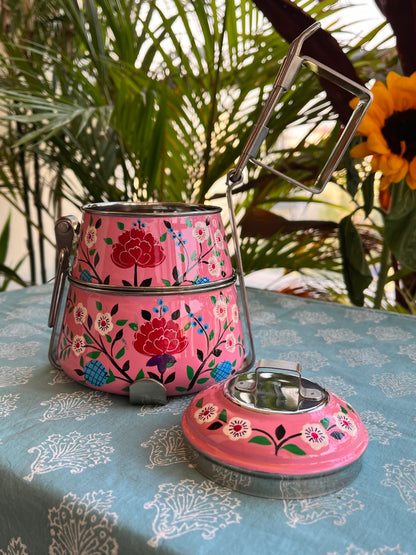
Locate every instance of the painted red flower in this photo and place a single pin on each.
(158, 337)
(137, 247)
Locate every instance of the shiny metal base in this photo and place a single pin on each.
(274, 486)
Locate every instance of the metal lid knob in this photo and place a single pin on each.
(275, 386)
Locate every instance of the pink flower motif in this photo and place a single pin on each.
(206, 414)
(200, 232)
(214, 267)
(345, 423)
(230, 342)
(160, 336)
(235, 313)
(315, 436)
(219, 239)
(103, 323)
(90, 236)
(78, 345)
(237, 428)
(80, 313)
(220, 310)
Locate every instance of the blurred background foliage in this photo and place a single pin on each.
(126, 100)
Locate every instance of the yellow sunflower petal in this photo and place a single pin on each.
(382, 99)
(402, 90)
(360, 151)
(377, 144)
(411, 181)
(412, 170)
(375, 163)
(385, 182)
(394, 167)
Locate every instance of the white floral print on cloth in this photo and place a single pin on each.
(22, 330)
(168, 447)
(280, 337)
(8, 403)
(340, 335)
(175, 406)
(15, 350)
(363, 357)
(77, 405)
(83, 525)
(390, 333)
(15, 376)
(358, 316)
(385, 550)
(403, 477)
(305, 317)
(189, 506)
(74, 451)
(15, 547)
(395, 385)
(379, 429)
(336, 507)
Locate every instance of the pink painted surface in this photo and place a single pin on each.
(187, 341)
(313, 442)
(177, 245)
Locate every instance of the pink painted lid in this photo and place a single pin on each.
(274, 421)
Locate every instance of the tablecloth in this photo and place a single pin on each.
(85, 472)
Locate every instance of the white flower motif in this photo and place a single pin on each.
(214, 266)
(345, 423)
(220, 310)
(315, 436)
(103, 323)
(235, 313)
(219, 239)
(237, 428)
(78, 345)
(80, 313)
(206, 414)
(90, 236)
(200, 232)
(230, 342)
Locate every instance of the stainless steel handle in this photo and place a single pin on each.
(285, 78)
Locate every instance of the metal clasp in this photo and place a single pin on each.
(66, 229)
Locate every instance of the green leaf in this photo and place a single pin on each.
(188, 222)
(88, 339)
(133, 326)
(120, 353)
(190, 372)
(368, 193)
(140, 375)
(111, 377)
(357, 274)
(93, 354)
(162, 238)
(325, 422)
(181, 389)
(223, 415)
(292, 448)
(108, 240)
(121, 322)
(260, 440)
(98, 305)
(400, 225)
(202, 380)
(120, 225)
(200, 403)
(344, 410)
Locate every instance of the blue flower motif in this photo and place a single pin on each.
(160, 302)
(95, 373)
(222, 371)
(86, 276)
(203, 280)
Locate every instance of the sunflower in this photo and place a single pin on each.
(390, 129)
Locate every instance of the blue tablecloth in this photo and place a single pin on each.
(83, 472)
